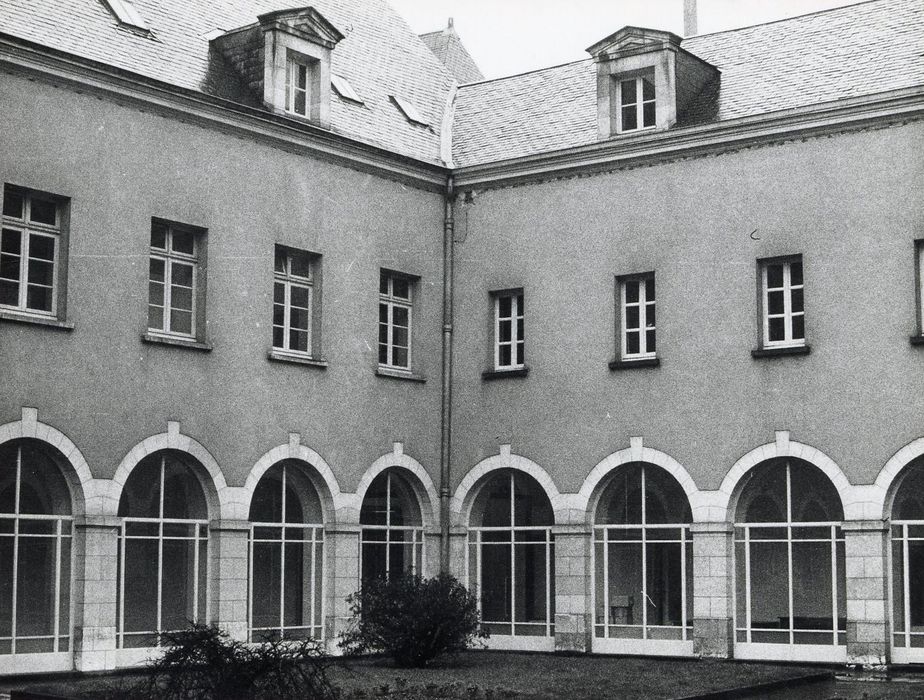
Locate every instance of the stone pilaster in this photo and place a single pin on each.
(342, 543)
(229, 576)
(866, 545)
(572, 603)
(713, 595)
(458, 541)
(95, 594)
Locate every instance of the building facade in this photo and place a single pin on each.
(629, 345)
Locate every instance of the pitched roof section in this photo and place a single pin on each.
(449, 49)
(379, 55)
(861, 49)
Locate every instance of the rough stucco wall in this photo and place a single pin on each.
(848, 204)
(107, 391)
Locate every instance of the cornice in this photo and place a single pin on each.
(35, 61)
(697, 141)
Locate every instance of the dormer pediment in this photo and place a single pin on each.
(305, 23)
(633, 40)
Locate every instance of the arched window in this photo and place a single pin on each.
(392, 532)
(908, 566)
(163, 549)
(511, 558)
(643, 557)
(286, 556)
(789, 559)
(36, 530)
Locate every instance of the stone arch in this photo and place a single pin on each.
(892, 474)
(461, 504)
(595, 484)
(782, 447)
(76, 471)
(421, 483)
(218, 494)
(320, 474)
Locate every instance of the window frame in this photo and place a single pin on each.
(310, 283)
(391, 302)
(640, 101)
(26, 228)
(294, 61)
(168, 256)
(642, 329)
(788, 314)
(517, 313)
(918, 338)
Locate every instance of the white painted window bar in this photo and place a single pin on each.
(392, 536)
(286, 561)
(784, 304)
(638, 318)
(790, 578)
(35, 555)
(509, 339)
(298, 86)
(163, 561)
(511, 566)
(173, 273)
(395, 321)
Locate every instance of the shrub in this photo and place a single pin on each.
(412, 619)
(203, 663)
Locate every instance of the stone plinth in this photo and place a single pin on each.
(96, 591)
(866, 545)
(573, 612)
(713, 595)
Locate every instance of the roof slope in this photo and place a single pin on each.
(860, 49)
(379, 56)
(449, 49)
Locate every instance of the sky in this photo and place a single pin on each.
(506, 37)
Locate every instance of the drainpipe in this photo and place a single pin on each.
(446, 408)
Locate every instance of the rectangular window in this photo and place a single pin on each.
(30, 251)
(782, 299)
(509, 341)
(293, 300)
(637, 317)
(636, 103)
(395, 302)
(298, 87)
(919, 262)
(174, 279)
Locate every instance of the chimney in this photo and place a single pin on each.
(689, 17)
(450, 28)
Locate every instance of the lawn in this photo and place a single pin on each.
(500, 675)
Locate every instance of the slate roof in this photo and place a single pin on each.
(862, 49)
(449, 49)
(380, 55)
(856, 50)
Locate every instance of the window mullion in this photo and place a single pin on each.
(168, 295)
(287, 313)
(23, 268)
(787, 301)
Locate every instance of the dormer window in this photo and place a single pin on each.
(299, 80)
(636, 103)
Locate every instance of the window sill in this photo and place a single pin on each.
(781, 352)
(188, 343)
(617, 365)
(492, 374)
(295, 358)
(47, 321)
(916, 340)
(398, 374)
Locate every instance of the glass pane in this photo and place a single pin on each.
(42, 488)
(496, 582)
(41, 247)
(628, 91)
(35, 605)
(665, 584)
(41, 211)
(300, 297)
(401, 288)
(625, 583)
(181, 275)
(299, 106)
(648, 89)
(814, 498)
(622, 502)
(769, 585)
(798, 327)
(650, 341)
(399, 316)
(916, 585)
(504, 356)
(631, 291)
(648, 114)
(374, 561)
(798, 302)
(6, 586)
(399, 357)
(374, 508)
(11, 241)
(139, 601)
(297, 584)
(158, 236)
(9, 293)
(156, 318)
(399, 337)
(774, 275)
(383, 283)
(156, 270)
(38, 298)
(12, 203)
(777, 329)
(298, 341)
(64, 599)
(279, 260)
(775, 302)
(183, 495)
(811, 586)
(181, 322)
(795, 273)
(183, 242)
(504, 306)
(531, 594)
(530, 502)
(632, 317)
(301, 265)
(181, 298)
(9, 267)
(629, 119)
(267, 568)
(632, 343)
(178, 588)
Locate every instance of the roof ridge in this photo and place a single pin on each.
(839, 8)
(528, 72)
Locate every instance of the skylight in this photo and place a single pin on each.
(410, 111)
(126, 13)
(343, 88)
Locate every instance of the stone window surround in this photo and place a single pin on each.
(659, 64)
(280, 49)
